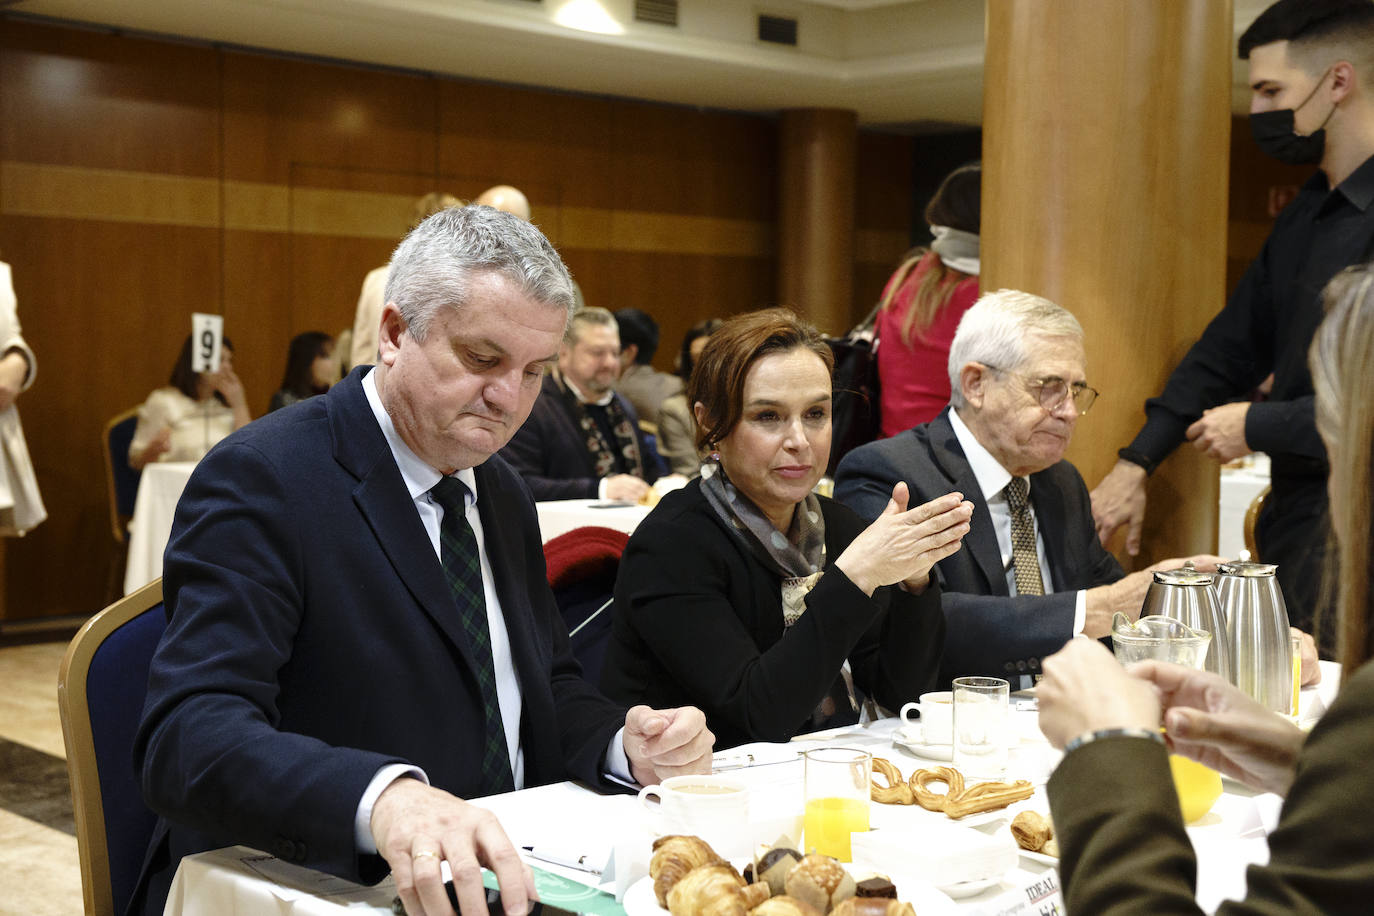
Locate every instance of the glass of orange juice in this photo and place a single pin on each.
(1198, 787)
(837, 799)
(1295, 642)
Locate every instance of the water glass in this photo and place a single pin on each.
(838, 781)
(982, 726)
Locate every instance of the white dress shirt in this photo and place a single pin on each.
(419, 479)
(992, 481)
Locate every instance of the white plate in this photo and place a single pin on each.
(939, 752)
(969, 888)
(924, 898)
(1038, 857)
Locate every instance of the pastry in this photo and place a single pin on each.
(987, 796)
(675, 856)
(782, 906)
(875, 887)
(934, 801)
(873, 906)
(1032, 830)
(896, 792)
(714, 890)
(773, 866)
(820, 882)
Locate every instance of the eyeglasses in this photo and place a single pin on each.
(1053, 390)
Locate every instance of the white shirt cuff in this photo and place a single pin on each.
(1080, 612)
(617, 761)
(601, 488)
(362, 821)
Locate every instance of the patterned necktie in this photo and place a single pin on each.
(463, 570)
(1024, 557)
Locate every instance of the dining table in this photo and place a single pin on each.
(159, 489)
(590, 851)
(559, 516)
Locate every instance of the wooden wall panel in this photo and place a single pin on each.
(883, 214)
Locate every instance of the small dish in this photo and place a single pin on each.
(940, 752)
(1038, 857)
(968, 888)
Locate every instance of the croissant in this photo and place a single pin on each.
(873, 906)
(782, 905)
(1032, 830)
(714, 890)
(674, 857)
(820, 882)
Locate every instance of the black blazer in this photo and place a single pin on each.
(312, 638)
(990, 632)
(698, 620)
(549, 451)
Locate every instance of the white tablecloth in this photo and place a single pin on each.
(158, 491)
(576, 821)
(562, 515)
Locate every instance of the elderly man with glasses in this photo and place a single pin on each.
(1031, 574)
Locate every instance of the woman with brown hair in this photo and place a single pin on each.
(923, 302)
(182, 421)
(1121, 835)
(773, 609)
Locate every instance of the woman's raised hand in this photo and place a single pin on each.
(902, 545)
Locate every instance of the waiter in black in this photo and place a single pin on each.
(1312, 79)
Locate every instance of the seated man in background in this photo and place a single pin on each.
(640, 383)
(1031, 574)
(582, 440)
(360, 635)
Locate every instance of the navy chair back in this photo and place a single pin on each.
(121, 478)
(581, 567)
(101, 688)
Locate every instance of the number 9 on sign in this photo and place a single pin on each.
(207, 332)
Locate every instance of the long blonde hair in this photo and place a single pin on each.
(1340, 358)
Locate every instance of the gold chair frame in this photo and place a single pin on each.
(118, 523)
(80, 742)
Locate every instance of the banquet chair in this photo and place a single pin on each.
(582, 566)
(1251, 518)
(100, 691)
(121, 486)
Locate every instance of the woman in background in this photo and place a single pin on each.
(1123, 844)
(21, 505)
(197, 409)
(310, 369)
(770, 608)
(677, 431)
(923, 302)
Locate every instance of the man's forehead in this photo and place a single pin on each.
(1047, 355)
(1271, 64)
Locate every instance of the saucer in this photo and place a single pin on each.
(940, 752)
(967, 888)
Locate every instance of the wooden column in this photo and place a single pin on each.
(816, 161)
(1106, 130)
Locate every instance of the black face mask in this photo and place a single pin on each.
(1273, 132)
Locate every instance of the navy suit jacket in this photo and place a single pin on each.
(312, 638)
(988, 631)
(549, 450)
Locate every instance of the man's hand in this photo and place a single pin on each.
(14, 368)
(1085, 689)
(1311, 669)
(1120, 500)
(1220, 434)
(417, 826)
(667, 742)
(1127, 594)
(1217, 725)
(625, 487)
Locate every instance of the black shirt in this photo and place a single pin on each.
(1267, 326)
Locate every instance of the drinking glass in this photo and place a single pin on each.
(982, 726)
(838, 781)
(1295, 647)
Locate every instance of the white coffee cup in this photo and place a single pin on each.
(715, 808)
(936, 710)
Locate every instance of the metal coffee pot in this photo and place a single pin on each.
(1186, 595)
(1258, 623)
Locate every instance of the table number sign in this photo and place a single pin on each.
(1037, 896)
(207, 338)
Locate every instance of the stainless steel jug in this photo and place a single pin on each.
(1258, 618)
(1186, 595)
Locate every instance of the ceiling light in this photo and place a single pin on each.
(588, 16)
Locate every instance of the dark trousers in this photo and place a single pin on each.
(1292, 532)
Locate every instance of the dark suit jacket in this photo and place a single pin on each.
(549, 450)
(990, 632)
(312, 638)
(698, 620)
(1124, 849)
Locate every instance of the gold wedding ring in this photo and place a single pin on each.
(424, 853)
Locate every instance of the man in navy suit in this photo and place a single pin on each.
(1017, 375)
(359, 633)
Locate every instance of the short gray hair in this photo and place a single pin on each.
(589, 316)
(993, 332)
(433, 266)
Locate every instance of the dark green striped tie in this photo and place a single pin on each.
(463, 570)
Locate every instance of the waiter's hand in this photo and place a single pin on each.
(1120, 500)
(14, 368)
(1220, 434)
(417, 826)
(667, 742)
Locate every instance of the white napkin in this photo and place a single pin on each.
(942, 854)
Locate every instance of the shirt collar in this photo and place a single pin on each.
(582, 398)
(991, 476)
(419, 477)
(1358, 187)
